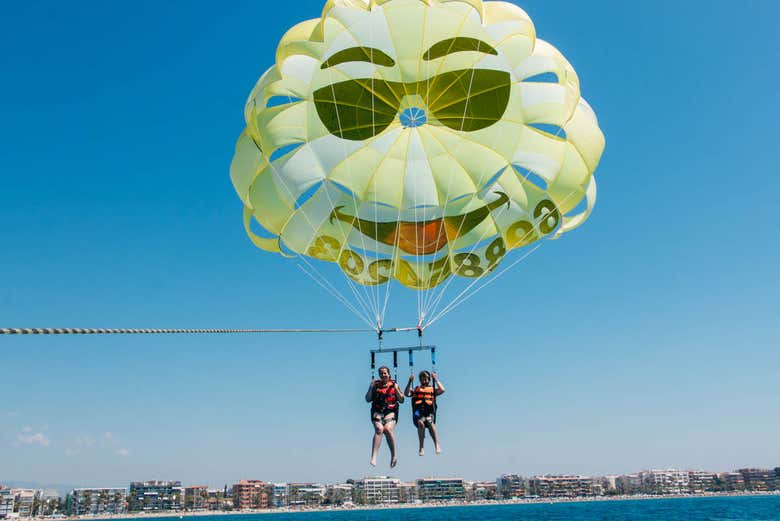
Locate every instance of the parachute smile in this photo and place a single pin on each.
(425, 237)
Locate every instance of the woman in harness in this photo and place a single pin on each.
(384, 395)
(424, 407)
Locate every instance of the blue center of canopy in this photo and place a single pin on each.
(413, 117)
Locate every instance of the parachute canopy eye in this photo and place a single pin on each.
(413, 117)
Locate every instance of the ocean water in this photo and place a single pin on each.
(752, 508)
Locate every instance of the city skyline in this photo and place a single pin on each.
(7, 483)
(257, 495)
(644, 339)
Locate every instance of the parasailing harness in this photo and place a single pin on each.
(378, 401)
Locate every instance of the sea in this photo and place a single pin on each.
(742, 508)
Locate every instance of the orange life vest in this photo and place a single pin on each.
(422, 397)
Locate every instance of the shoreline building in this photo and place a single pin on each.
(565, 486)
(759, 480)
(26, 499)
(305, 494)
(483, 491)
(629, 484)
(279, 495)
(339, 493)
(511, 486)
(96, 501)
(701, 481)
(441, 489)
(216, 499)
(250, 494)
(7, 503)
(155, 496)
(733, 481)
(407, 492)
(377, 490)
(196, 497)
(662, 482)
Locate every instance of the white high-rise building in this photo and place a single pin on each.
(377, 490)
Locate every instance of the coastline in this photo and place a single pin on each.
(403, 506)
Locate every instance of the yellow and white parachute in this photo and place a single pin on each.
(415, 140)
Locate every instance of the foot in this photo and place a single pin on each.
(422, 452)
(393, 462)
(438, 449)
(372, 462)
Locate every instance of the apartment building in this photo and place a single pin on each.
(732, 480)
(511, 486)
(96, 501)
(407, 492)
(441, 489)
(196, 497)
(25, 501)
(377, 490)
(7, 503)
(670, 481)
(250, 494)
(279, 495)
(759, 480)
(154, 496)
(217, 499)
(701, 480)
(339, 493)
(629, 484)
(481, 490)
(564, 486)
(305, 494)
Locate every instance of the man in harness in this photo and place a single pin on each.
(424, 407)
(384, 396)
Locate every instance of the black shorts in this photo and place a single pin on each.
(424, 415)
(384, 417)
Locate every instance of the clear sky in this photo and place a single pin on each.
(646, 338)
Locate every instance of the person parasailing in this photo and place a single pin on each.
(384, 396)
(424, 407)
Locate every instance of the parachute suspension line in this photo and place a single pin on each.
(460, 299)
(455, 303)
(335, 293)
(447, 196)
(441, 294)
(437, 301)
(313, 227)
(366, 291)
(380, 315)
(132, 331)
(434, 296)
(363, 305)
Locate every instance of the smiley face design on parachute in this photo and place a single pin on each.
(463, 100)
(399, 137)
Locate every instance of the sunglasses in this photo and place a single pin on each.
(464, 100)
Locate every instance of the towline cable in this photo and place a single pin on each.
(102, 331)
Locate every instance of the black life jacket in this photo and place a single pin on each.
(385, 399)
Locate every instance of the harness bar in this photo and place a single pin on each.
(399, 349)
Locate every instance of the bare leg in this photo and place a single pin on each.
(390, 436)
(421, 436)
(378, 431)
(434, 437)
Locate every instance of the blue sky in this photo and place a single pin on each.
(646, 338)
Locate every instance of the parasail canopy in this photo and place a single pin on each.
(415, 140)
